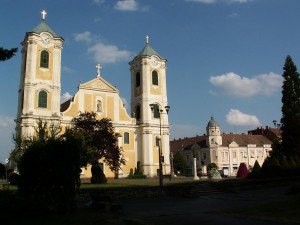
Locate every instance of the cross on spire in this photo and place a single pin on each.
(147, 39)
(98, 70)
(43, 14)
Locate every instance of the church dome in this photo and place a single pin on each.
(212, 123)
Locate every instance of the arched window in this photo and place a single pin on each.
(126, 138)
(138, 112)
(44, 59)
(137, 79)
(42, 99)
(154, 78)
(99, 106)
(156, 113)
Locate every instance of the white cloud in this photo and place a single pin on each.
(67, 69)
(98, 2)
(6, 121)
(219, 1)
(66, 96)
(103, 53)
(127, 5)
(84, 37)
(100, 51)
(234, 85)
(236, 118)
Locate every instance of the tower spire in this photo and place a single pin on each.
(147, 39)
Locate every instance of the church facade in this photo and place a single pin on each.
(141, 131)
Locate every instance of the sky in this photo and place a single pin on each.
(225, 57)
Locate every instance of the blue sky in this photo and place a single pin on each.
(225, 57)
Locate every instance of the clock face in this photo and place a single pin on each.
(46, 39)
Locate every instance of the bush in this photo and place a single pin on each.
(14, 178)
(214, 174)
(271, 168)
(256, 170)
(242, 171)
(98, 177)
(211, 165)
(138, 174)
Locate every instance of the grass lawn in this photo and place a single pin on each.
(285, 211)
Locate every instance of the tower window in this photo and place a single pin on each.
(157, 140)
(137, 79)
(44, 59)
(138, 112)
(126, 138)
(156, 113)
(154, 78)
(42, 99)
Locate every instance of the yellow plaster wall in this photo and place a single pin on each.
(44, 73)
(88, 103)
(155, 149)
(156, 89)
(110, 108)
(123, 113)
(72, 111)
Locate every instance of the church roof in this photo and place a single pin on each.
(43, 27)
(212, 123)
(148, 51)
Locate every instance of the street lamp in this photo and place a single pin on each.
(160, 111)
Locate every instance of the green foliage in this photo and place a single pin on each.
(13, 178)
(50, 170)
(138, 173)
(242, 171)
(98, 177)
(290, 109)
(292, 162)
(271, 168)
(2, 171)
(211, 166)
(277, 149)
(100, 140)
(179, 162)
(6, 54)
(256, 170)
(214, 174)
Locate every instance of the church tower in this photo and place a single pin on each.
(214, 137)
(40, 85)
(149, 105)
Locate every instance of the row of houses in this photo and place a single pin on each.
(227, 151)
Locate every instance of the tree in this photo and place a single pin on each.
(242, 171)
(100, 140)
(6, 54)
(255, 173)
(290, 109)
(50, 169)
(179, 162)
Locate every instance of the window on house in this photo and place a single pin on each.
(137, 79)
(44, 59)
(126, 138)
(138, 112)
(42, 102)
(154, 78)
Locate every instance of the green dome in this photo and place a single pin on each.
(148, 51)
(212, 123)
(43, 27)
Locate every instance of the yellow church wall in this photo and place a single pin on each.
(49, 99)
(88, 103)
(72, 111)
(123, 113)
(44, 73)
(155, 149)
(110, 108)
(156, 90)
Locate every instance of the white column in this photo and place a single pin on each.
(195, 170)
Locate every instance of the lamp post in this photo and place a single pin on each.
(160, 111)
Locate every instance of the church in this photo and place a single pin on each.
(141, 132)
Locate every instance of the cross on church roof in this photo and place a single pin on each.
(98, 70)
(43, 14)
(147, 39)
